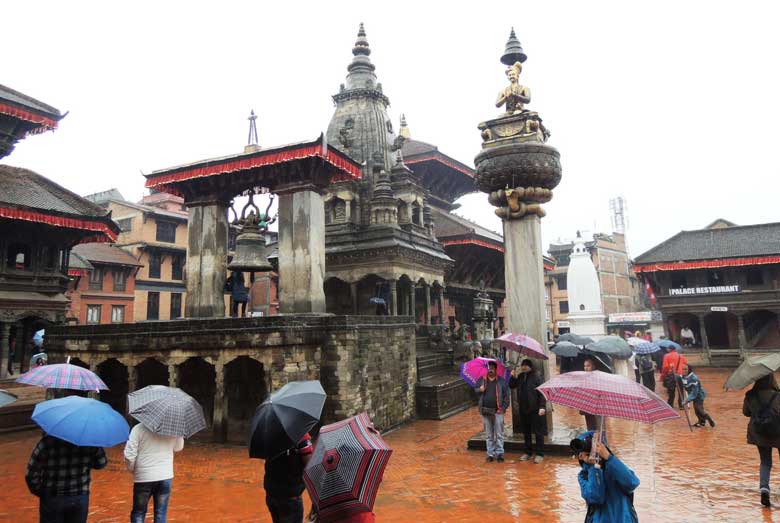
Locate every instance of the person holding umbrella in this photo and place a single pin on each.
(762, 406)
(493, 403)
(532, 409)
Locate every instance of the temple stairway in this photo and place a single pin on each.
(440, 391)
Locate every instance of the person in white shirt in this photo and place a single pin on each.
(686, 336)
(149, 457)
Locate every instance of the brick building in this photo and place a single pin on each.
(102, 284)
(620, 289)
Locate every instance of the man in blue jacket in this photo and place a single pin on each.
(606, 483)
(493, 403)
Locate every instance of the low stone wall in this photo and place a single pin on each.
(364, 362)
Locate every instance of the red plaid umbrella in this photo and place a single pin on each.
(605, 394)
(523, 344)
(346, 468)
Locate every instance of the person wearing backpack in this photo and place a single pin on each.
(647, 370)
(696, 395)
(762, 406)
(670, 375)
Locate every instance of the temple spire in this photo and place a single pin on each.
(361, 70)
(252, 143)
(404, 129)
(513, 52)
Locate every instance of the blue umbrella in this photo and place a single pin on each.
(647, 347)
(665, 344)
(82, 421)
(38, 338)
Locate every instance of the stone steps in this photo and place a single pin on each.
(434, 364)
(725, 358)
(16, 416)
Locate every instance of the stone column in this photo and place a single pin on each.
(220, 409)
(393, 297)
(427, 316)
(22, 346)
(173, 375)
(705, 344)
(301, 250)
(5, 331)
(413, 302)
(132, 377)
(353, 292)
(440, 300)
(742, 339)
(207, 235)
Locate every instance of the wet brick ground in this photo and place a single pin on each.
(710, 475)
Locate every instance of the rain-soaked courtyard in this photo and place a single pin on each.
(707, 475)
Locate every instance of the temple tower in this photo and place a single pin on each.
(586, 316)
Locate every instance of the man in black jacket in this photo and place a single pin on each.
(531, 403)
(283, 483)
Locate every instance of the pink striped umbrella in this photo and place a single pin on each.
(605, 394)
(523, 344)
(62, 376)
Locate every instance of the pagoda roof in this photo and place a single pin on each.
(258, 163)
(446, 178)
(23, 107)
(78, 265)
(105, 254)
(28, 196)
(452, 229)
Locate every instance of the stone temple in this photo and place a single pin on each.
(375, 273)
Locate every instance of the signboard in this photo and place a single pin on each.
(631, 317)
(562, 323)
(719, 309)
(698, 291)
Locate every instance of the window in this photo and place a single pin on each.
(166, 232)
(714, 278)
(679, 280)
(177, 264)
(561, 282)
(563, 307)
(120, 279)
(153, 306)
(18, 256)
(155, 261)
(754, 276)
(96, 279)
(175, 305)
(125, 225)
(93, 313)
(117, 314)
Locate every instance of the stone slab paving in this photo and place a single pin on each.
(710, 475)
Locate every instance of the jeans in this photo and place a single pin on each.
(160, 490)
(64, 509)
(701, 414)
(494, 434)
(765, 453)
(285, 510)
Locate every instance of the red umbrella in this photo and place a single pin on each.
(605, 394)
(523, 344)
(346, 468)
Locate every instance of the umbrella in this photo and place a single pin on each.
(81, 421)
(613, 346)
(523, 344)
(38, 338)
(474, 370)
(665, 344)
(6, 398)
(345, 471)
(605, 394)
(752, 369)
(647, 347)
(634, 341)
(566, 349)
(376, 301)
(166, 411)
(575, 339)
(62, 376)
(283, 419)
(34, 360)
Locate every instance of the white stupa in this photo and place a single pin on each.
(586, 315)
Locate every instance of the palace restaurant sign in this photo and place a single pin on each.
(696, 291)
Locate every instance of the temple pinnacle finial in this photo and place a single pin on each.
(252, 140)
(513, 51)
(361, 44)
(404, 129)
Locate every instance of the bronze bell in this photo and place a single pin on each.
(250, 255)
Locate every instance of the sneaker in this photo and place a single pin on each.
(489, 459)
(712, 423)
(525, 457)
(500, 458)
(765, 498)
(538, 459)
(699, 424)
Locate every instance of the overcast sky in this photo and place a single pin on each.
(673, 105)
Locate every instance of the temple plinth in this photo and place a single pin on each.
(298, 173)
(519, 170)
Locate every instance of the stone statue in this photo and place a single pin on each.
(515, 95)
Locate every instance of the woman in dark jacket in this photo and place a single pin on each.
(531, 405)
(761, 401)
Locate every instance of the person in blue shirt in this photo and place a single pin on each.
(607, 485)
(696, 395)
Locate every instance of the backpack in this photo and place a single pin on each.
(765, 422)
(645, 364)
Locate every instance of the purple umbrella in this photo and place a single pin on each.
(62, 376)
(524, 345)
(476, 369)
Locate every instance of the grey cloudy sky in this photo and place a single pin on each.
(672, 104)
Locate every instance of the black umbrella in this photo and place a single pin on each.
(283, 419)
(566, 349)
(576, 339)
(613, 346)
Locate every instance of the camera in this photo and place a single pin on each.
(582, 444)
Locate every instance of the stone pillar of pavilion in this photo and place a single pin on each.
(519, 170)
(207, 236)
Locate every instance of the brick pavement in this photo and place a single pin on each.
(709, 475)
